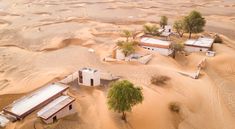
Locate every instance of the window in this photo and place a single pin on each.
(70, 107)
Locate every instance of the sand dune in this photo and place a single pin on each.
(44, 40)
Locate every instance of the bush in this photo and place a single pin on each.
(218, 39)
(174, 107)
(159, 80)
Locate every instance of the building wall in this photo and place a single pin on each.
(62, 113)
(87, 76)
(120, 55)
(195, 49)
(162, 51)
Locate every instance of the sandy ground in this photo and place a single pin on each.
(43, 40)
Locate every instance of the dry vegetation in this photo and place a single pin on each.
(159, 79)
(174, 107)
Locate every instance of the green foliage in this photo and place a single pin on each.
(122, 96)
(218, 39)
(151, 29)
(179, 26)
(159, 80)
(177, 47)
(127, 34)
(194, 23)
(127, 47)
(163, 21)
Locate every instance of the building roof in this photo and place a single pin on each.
(201, 42)
(55, 106)
(27, 104)
(154, 42)
(89, 70)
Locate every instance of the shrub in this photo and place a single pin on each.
(174, 107)
(218, 39)
(159, 79)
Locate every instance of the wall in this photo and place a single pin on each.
(120, 55)
(87, 76)
(162, 51)
(62, 113)
(195, 49)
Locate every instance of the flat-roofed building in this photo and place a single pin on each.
(201, 44)
(37, 99)
(160, 46)
(89, 77)
(58, 108)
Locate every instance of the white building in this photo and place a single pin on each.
(119, 55)
(37, 99)
(58, 108)
(89, 77)
(201, 44)
(3, 121)
(166, 31)
(160, 46)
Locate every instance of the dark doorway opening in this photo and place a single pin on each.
(92, 82)
(54, 119)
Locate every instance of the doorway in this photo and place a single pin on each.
(92, 82)
(54, 119)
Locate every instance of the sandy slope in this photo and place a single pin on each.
(43, 40)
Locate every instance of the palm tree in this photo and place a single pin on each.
(122, 96)
(150, 29)
(127, 34)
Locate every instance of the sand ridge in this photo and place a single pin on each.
(44, 40)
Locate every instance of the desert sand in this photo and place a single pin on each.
(44, 40)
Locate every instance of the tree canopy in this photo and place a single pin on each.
(177, 47)
(194, 23)
(127, 47)
(150, 29)
(127, 34)
(122, 96)
(179, 27)
(163, 21)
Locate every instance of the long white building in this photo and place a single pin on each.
(199, 45)
(160, 46)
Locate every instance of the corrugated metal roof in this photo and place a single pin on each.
(154, 41)
(201, 42)
(55, 106)
(27, 103)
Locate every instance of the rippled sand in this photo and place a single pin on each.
(43, 40)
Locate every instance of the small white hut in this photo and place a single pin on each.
(89, 77)
(58, 108)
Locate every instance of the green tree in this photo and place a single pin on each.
(194, 23)
(151, 29)
(127, 47)
(163, 21)
(127, 34)
(179, 27)
(122, 96)
(177, 47)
